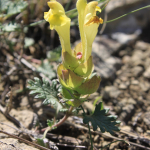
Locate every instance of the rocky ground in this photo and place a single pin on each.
(121, 59)
(125, 90)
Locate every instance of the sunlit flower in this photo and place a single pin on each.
(60, 22)
(88, 25)
(77, 65)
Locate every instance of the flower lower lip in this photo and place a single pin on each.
(79, 55)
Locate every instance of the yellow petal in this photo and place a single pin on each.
(91, 24)
(98, 9)
(56, 7)
(81, 4)
(57, 20)
(88, 24)
(60, 22)
(47, 14)
(90, 11)
(90, 32)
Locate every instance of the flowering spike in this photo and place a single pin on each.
(77, 65)
(60, 22)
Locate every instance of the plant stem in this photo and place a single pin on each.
(60, 122)
(128, 14)
(89, 129)
(90, 137)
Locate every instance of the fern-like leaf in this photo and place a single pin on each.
(45, 91)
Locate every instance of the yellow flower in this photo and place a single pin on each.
(75, 71)
(60, 22)
(88, 24)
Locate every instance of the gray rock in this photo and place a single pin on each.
(125, 38)
(126, 59)
(24, 102)
(137, 57)
(127, 112)
(146, 74)
(142, 45)
(146, 118)
(130, 23)
(96, 138)
(126, 128)
(147, 63)
(134, 87)
(103, 47)
(123, 86)
(145, 86)
(114, 61)
(111, 92)
(137, 71)
(138, 129)
(13, 144)
(126, 101)
(6, 128)
(131, 101)
(105, 64)
(24, 116)
(134, 82)
(106, 71)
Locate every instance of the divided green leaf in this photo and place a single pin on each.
(44, 90)
(28, 42)
(47, 70)
(11, 27)
(54, 55)
(99, 118)
(13, 7)
(4, 4)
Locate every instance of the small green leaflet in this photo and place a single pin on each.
(12, 7)
(46, 143)
(47, 70)
(11, 27)
(4, 4)
(41, 142)
(50, 123)
(44, 90)
(28, 42)
(54, 55)
(99, 118)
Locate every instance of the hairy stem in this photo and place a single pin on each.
(90, 137)
(89, 129)
(60, 122)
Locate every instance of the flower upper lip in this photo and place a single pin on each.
(60, 22)
(88, 24)
(75, 71)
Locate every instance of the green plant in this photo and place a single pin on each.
(75, 75)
